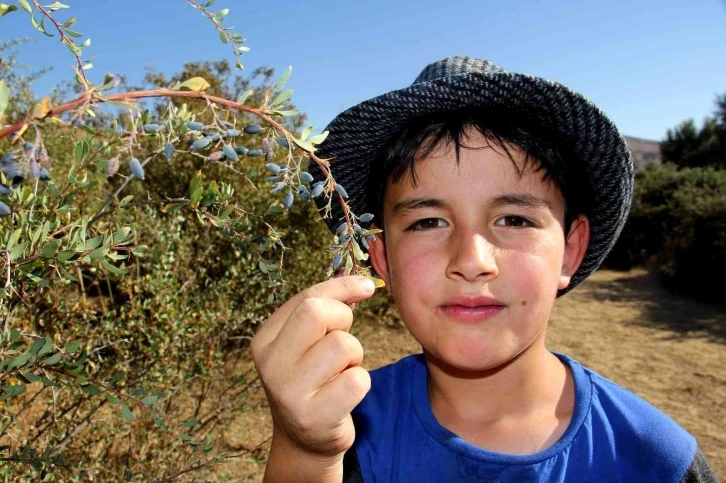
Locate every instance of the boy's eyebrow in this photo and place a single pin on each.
(522, 199)
(410, 205)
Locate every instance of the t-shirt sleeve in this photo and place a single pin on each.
(699, 470)
(351, 467)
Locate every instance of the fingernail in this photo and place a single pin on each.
(368, 285)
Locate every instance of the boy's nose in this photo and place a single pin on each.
(472, 258)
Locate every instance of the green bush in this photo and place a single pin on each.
(677, 222)
(122, 298)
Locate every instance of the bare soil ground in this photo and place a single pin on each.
(669, 350)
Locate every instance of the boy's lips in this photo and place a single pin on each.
(471, 309)
(465, 301)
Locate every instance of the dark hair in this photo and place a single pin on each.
(543, 151)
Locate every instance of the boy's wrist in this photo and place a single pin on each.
(289, 462)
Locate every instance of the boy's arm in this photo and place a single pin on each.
(286, 463)
(699, 471)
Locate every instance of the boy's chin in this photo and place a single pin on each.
(470, 362)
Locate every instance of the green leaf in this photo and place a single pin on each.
(52, 360)
(91, 389)
(72, 33)
(66, 255)
(112, 398)
(19, 361)
(241, 99)
(304, 145)
(14, 335)
(47, 347)
(126, 412)
(72, 347)
(359, 255)
(4, 10)
(14, 390)
(25, 5)
(196, 84)
(149, 400)
(116, 378)
(42, 28)
(37, 345)
(4, 98)
(319, 138)
(31, 376)
(223, 37)
(274, 209)
(306, 132)
(283, 78)
(185, 437)
(281, 97)
(190, 424)
(111, 268)
(93, 243)
(49, 250)
(56, 6)
(263, 266)
(80, 151)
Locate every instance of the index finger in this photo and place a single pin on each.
(349, 289)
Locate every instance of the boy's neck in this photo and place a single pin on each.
(535, 385)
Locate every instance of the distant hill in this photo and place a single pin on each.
(644, 151)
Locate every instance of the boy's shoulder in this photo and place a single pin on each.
(641, 429)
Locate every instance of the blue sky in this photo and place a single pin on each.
(648, 64)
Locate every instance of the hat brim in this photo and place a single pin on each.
(357, 134)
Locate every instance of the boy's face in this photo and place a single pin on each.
(476, 230)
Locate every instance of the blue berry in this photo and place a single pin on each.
(341, 191)
(272, 167)
(195, 126)
(253, 129)
(365, 217)
(317, 191)
(168, 151)
(288, 201)
(230, 152)
(307, 177)
(254, 152)
(336, 260)
(136, 168)
(201, 143)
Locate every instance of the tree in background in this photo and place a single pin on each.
(688, 147)
(677, 223)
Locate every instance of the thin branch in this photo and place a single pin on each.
(63, 39)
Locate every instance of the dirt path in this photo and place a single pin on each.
(668, 350)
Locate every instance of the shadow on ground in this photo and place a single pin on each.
(662, 308)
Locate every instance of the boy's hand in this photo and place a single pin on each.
(310, 367)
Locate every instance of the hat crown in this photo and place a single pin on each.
(451, 66)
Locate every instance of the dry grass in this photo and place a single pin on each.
(669, 350)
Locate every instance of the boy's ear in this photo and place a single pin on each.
(379, 258)
(576, 245)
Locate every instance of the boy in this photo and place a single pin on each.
(496, 192)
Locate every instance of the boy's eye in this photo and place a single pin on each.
(515, 221)
(425, 224)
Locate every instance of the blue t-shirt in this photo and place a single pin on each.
(613, 436)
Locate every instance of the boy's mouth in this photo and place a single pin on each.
(471, 309)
